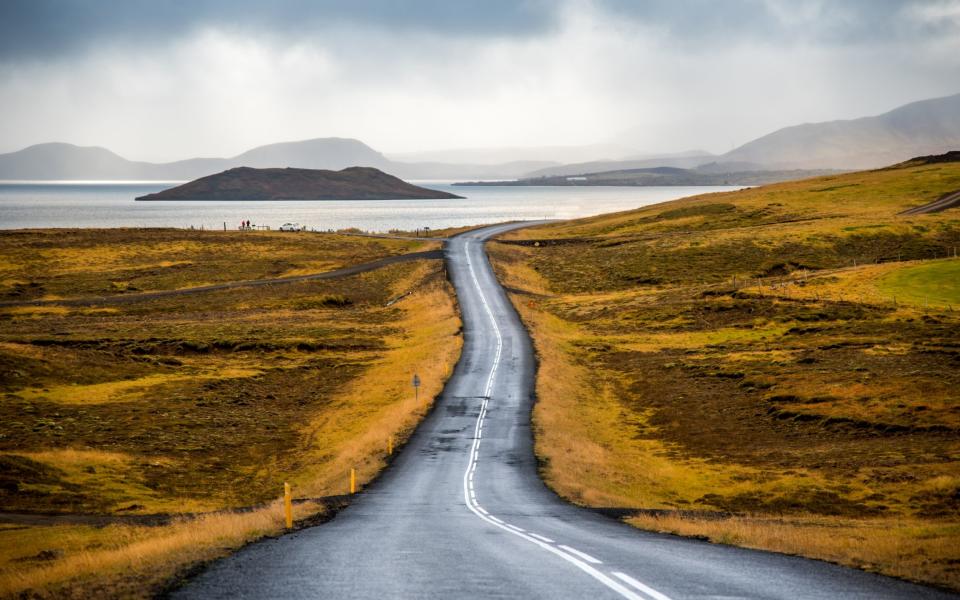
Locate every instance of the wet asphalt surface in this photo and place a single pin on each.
(461, 513)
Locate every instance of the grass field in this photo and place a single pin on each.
(38, 264)
(775, 367)
(188, 405)
(936, 283)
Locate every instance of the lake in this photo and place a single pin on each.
(111, 204)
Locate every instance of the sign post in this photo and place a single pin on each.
(416, 388)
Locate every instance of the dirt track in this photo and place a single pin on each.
(130, 298)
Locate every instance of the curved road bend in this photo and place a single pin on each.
(461, 513)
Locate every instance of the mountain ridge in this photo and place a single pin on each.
(929, 126)
(61, 160)
(923, 127)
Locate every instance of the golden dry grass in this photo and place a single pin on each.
(202, 403)
(909, 549)
(124, 561)
(381, 403)
(52, 264)
(123, 390)
(588, 443)
(800, 399)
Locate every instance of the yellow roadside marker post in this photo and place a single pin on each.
(287, 505)
(390, 445)
(353, 481)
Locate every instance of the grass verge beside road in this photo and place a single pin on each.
(739, 361)
(199, 404)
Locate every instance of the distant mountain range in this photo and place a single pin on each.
(919, 128)
(924, 127)
(245, 183)
(58, 161)
(66, 161)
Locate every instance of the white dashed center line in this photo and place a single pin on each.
(581, 560)
(582, 555)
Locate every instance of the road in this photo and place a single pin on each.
(940, 204)
(461, 513)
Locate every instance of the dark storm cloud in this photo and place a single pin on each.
(831, 22)
(48, 28)
(52, 28)
(164, 79)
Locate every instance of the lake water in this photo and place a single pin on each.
(111, 204)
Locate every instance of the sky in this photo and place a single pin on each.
(164, 80)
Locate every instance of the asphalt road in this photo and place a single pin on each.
(461, 512)
(940, 204)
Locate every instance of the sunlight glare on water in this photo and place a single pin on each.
(111, 204)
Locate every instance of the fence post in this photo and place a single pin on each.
(287, 505)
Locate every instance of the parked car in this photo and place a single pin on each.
(290, 227)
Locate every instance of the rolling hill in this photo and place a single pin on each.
(681, 160)
(709, 174)
(924, 127)
(66, 161)
(245, 183)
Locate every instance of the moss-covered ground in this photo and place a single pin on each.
(198, 403)
(787, 354)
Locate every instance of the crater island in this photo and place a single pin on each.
(247, 183)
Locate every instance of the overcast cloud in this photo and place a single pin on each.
(166, 80)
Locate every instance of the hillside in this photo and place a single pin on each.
(811, 318)
(245, 183)
(66, 161)
(925, 127)
(683, 160)
(710, 174)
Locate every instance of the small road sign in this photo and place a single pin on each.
(416, 380)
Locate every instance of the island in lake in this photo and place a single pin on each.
(246, 183)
